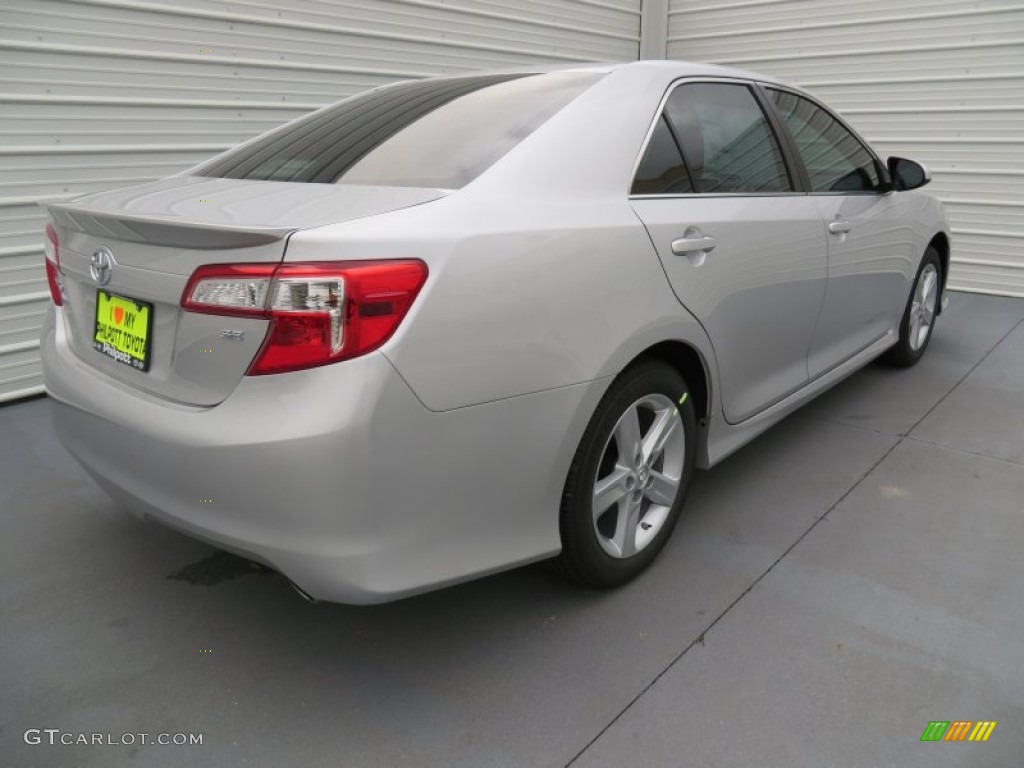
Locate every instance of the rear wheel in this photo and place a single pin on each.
(919, 316)
(629, 477)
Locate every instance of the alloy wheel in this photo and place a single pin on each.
(923, 306)
(638, 476)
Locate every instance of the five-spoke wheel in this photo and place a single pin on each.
(629, 477)
(923, 306)
(638, 476)
(918, 320)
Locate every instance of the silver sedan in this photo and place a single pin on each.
(451, 326)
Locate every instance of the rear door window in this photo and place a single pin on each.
(428, 133)
(726, 139)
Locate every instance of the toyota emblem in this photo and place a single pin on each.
(101, 264)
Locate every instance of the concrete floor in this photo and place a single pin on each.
(850, 576)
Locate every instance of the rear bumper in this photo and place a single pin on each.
(337, 476)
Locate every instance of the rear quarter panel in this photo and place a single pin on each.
(521, 297)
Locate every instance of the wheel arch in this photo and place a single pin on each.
(691, 366)
(940, 242)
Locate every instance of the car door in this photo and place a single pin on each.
(744, 251)
(871, 257)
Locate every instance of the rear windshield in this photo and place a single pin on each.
(427, 133)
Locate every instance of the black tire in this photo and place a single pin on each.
(904, 354)
(584, 559)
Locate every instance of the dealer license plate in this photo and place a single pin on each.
(122, 329)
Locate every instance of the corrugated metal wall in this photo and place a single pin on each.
(940, 81)
(98, 94)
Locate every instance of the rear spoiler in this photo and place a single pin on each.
(161, 230)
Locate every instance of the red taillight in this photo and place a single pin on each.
(51, 249)
(320, 312)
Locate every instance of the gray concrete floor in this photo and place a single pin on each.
(833, 587)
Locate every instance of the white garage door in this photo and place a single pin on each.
(941, 81)
(98, 94)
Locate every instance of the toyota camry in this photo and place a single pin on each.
(454, 325)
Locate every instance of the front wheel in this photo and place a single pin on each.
(629, 477)
(919, 316)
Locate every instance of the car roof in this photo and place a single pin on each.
(672, 68)
(698, 69)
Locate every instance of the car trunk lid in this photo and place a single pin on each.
(147, 241)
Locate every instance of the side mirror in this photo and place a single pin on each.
(907, 174)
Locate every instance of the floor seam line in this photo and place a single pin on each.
(700, 638)
(744, 593)
(960, 381)
(963, 378)
(979, 454)
(862, 428)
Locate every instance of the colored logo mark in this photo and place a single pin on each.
(958, 730)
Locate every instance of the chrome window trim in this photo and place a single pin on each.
(788, 193)
(687, 80)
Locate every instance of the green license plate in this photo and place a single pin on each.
(122, 329)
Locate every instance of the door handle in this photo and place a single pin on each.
(839, 227)
(685, 245)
